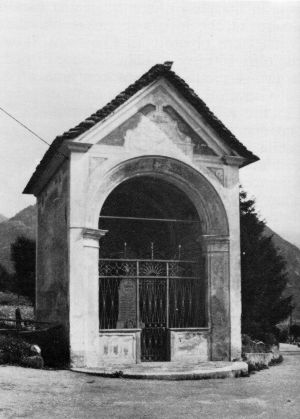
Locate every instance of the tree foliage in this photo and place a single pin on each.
(23, 258)
(263, 276)
(5, 280)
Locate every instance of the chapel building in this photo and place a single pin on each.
(138, 239)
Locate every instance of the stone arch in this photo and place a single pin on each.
(198, 189)
(214, 238)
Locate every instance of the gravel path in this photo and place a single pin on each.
(272, 393)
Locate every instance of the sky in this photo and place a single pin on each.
(63, 60)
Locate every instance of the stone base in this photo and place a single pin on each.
(171, 370)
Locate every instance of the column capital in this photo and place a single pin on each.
(214, 243)
(92, 236)
(93, 233)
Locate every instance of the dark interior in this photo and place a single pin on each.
(149, 198)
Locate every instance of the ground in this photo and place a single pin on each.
(272, 393)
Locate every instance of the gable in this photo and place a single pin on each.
(158, 120)
(155, 126)
(155, 73)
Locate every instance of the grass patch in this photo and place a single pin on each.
(9, 312)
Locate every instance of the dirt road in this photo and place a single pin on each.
(272, 393)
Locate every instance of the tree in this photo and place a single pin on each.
(5, 279)
(23, 258)
(263, 276)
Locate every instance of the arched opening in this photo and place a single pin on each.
(151, 270)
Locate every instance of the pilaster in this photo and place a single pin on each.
(216, 250)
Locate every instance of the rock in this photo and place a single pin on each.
(35, 349)
(35, 361)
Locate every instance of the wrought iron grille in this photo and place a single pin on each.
(153, 295)
(144, 292)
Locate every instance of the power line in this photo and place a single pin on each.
(24, 126)
(32, 132)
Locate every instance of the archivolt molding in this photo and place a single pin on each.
(199, 190)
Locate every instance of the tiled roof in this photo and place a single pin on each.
(158, 70)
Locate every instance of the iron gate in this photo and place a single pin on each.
(150, 294)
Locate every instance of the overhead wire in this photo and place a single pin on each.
(30, 130)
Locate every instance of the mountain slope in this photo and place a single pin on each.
(2, 218)
(22, 224)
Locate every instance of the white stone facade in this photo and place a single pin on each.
(157, 134)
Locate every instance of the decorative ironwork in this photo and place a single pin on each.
(109, 302)
(154, 344)
(182, 303)
(153, 316)
(152, 268)
(117, 267)
(153, 302)
(153, 295)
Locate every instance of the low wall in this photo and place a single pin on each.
(119, 347)
(123, 346)
(260, 360)
(189, 345)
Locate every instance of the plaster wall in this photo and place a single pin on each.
(52, 295)
(190, 345)
(225, 179)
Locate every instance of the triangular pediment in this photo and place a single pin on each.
(159, 121)
(155, 128)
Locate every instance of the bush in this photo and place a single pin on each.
(16, 344)
(282, 333)
(53, 344)
(295, 330)
(256, 346)
(14, 349)
(269, 339)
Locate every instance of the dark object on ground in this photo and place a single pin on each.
(35, 361)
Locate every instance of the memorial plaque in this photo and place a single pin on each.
(127, 304)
